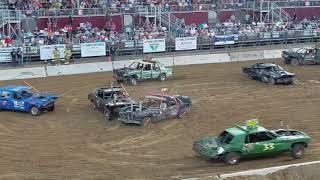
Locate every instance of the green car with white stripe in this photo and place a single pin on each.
(251, 140)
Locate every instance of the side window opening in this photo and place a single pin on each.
(147, 67)
(100, 94)
(17, 95)
(259, 137)
(5, 94)
(156, 67)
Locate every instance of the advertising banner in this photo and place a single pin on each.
(46, 52)
(224, 40)
(93, 49)
(154, 45)
(186, 43)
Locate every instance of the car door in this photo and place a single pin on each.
(147, 71)
(17, 102)
(310, 55)
(155, 71)
(172, 107)
(260, 143)
(98, 99)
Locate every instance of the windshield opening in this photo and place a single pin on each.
(277, 68)
(134, 65)
(225, 137)
(26, 94)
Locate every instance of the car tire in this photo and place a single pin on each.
(51, 108)
(162, 77)
(35, 111)
(294, 62)
(107, 114)
(264, 79)
(297, 151)
(146, 121)
(232, 158)
(271, 81)
(133, 81)
(94, 106)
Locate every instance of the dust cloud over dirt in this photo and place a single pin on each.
(75, 142)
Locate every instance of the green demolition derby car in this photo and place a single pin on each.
(251, 141)
(144, 70)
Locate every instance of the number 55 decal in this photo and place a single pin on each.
(268, 147)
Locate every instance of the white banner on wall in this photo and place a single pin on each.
(93, 49)
(46, 52)
(154, 45)
(186, 43)
(5, 55)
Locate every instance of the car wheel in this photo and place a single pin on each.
(35, 111)
(51, 108)
(232, 158)
(264, 79)
(162, 77)
(272, 81)
(297, 151)
(294, 62)
(133, 81)
(107, 114)
(146, 121)
(94, 106)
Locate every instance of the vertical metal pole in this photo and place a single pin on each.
(272, 18)
(78, 4)
(160, 15)
(169, 23)
(261, 8)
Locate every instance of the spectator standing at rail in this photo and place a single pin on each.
(67, 55)
(113, 50)
(20, 56)
(14, 57)
(56, 56)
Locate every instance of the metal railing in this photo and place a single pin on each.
(134, 47)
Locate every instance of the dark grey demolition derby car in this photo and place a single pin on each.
(299, 56)
(269, 73)
(109, 100)
(154, 108)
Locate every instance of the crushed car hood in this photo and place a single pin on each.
(284, 74)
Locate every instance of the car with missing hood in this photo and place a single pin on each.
(143, 70)
(299, 56)
(154, 108)
(21, 98)
(109, 100)
(269, 73)
(251, 140)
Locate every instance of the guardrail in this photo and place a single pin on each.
(135, 47)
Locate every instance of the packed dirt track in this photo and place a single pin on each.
(75, 142)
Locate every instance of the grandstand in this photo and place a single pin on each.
(127, 24)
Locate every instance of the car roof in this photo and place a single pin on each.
(243, 130)
(111, 89)
(14, 88)
(266, 64)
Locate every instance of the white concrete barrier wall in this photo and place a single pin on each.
(246, 56)
(22, 73)
(25, 73)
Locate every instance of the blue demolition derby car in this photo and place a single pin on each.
(21, 98)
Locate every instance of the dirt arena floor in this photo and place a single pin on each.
(75, 142)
